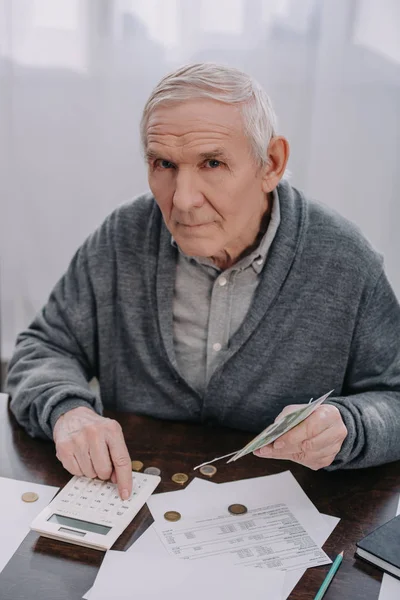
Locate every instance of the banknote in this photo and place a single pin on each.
(283, 425)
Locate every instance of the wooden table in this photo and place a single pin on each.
(44, 569)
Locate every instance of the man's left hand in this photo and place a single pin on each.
(313, 443)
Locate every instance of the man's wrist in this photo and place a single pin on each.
(65, 406)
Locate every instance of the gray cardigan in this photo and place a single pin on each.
(324, 316)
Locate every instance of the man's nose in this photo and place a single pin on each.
(187, 193)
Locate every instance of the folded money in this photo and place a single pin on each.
(273, 431)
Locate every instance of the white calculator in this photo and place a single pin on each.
(90, 512)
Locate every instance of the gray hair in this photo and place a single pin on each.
(225, 84)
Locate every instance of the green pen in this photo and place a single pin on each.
(330, 575)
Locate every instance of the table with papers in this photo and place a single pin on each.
(47, 569)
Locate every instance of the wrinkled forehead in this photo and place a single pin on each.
(195, 125)
(202, 115)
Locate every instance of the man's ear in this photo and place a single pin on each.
(278, 156)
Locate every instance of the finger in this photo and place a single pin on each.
(100, 458)
(120, 459)
(113, 477)
(313, 460)
(70, 464)
(318, 422)
(323, 440)
(318, 460)
(330, 451)
(287, 410)
(85, 463)
(335, 434)
(286, 450)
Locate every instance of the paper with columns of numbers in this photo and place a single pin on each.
(17, 515)
(390, 588)
(149, 541)
(268, 536)
(276, 532)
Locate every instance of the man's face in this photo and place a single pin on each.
(206, 182)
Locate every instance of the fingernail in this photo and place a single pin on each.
(279, 445)
(125, 494)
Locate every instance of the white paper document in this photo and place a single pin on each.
(17, 515)
(254, 493)
(189, 499)
(293, 577)
(268, 536)
(149, 543)
(125, 575)
(390, 588)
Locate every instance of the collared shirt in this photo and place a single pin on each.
(210, 305)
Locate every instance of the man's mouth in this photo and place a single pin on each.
(193, 225)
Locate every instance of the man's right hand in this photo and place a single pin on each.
(94, 446)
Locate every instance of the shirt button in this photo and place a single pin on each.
(222, 281)
(217, 347)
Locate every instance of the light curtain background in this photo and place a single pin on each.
(75, 74)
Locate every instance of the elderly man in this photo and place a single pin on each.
(222, 296)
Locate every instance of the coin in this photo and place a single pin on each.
(180, 478)
(29, 497)
(237, 509)
(137, 465)
(152, 471)
(208, 470)
(172, 515)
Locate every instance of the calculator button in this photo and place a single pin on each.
(93, 487)
(104, 494)
(82, 501)
(64, 503)
(105, 512)
(71, 495)
(120, 511)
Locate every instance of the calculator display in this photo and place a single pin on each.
(79, 524)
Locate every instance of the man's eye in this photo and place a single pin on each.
(163, 164)
(213, 164)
